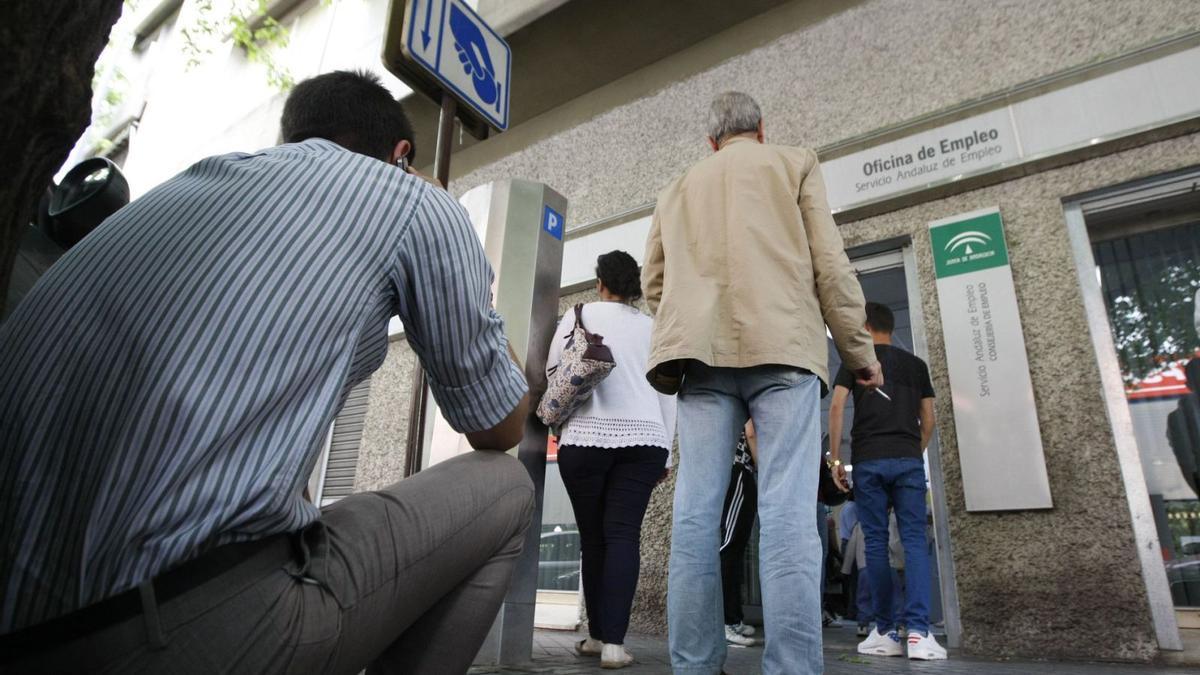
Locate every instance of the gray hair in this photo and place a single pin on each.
(732, 113)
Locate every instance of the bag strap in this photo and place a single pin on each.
(593, 340)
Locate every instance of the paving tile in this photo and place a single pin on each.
(555, 653)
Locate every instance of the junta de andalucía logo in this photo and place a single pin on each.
(968, 243)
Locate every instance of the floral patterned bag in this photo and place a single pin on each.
(584, 364)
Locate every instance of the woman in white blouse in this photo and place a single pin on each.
(612, 452)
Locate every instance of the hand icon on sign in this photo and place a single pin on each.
(473, 53)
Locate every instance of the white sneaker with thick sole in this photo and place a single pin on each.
(615, 656)
(733, 637)
(881, 645)
(925, 647)
(743, 629)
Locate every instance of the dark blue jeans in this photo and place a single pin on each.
(900, 484)
(609, 490)
(865, 605)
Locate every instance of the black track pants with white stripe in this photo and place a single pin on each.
(737, 521)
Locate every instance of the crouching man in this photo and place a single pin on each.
(169, 383)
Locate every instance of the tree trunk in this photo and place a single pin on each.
(51, 48)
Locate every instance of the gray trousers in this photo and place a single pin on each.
(404, 580)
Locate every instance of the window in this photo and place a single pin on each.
(1150, 282)
(1145, 242)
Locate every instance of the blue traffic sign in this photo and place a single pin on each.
(552, 222)
(448, 39)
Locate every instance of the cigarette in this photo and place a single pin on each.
(880, 392)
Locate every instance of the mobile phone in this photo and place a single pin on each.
(402, 162)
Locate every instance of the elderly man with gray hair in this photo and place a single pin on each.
(744, 268)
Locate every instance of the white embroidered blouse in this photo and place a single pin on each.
(623, 410)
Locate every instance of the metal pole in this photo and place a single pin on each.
(529, 264)
(441, 158)
(420, 390)
(416, 423)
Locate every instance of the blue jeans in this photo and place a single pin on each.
(899, 483)
(865, 606)
(714, 403)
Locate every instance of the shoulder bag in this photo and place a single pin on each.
(585, 362)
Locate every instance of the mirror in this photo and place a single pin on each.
(92, 191)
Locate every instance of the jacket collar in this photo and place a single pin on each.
(737, 139)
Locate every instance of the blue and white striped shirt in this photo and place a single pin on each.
(167, 385)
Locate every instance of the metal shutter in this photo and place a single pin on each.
(344, 440)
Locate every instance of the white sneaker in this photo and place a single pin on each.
(881, 645)
(733, 637)
(925, 647)
(743, 629)
(615, 656)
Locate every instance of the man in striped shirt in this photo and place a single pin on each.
(169, 382)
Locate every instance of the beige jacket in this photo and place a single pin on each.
(744, 267)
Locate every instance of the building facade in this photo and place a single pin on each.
(1077, 121)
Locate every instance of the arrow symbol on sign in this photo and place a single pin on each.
(425, 31)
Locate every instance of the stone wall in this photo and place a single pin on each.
(383, 450)
(845, 68)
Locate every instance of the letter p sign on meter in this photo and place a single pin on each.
(449, 40)
(552, 222)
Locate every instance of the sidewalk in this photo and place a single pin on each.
(554, 653)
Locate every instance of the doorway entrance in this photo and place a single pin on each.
(889, 278)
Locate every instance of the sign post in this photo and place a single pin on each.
(999, 443)
(444, 50)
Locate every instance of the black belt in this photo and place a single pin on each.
(136, 601)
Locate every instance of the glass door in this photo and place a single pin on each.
(1150, 280)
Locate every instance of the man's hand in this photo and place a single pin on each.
(839, 477)
(870, 377)
(752, 441)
